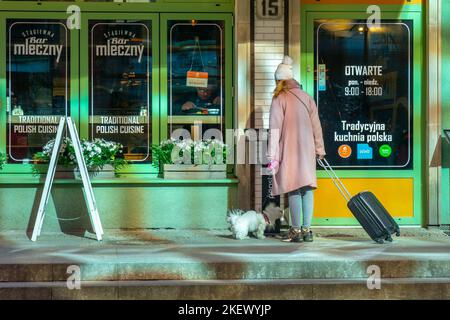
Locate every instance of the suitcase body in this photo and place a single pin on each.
(373, 217)
(367, 209)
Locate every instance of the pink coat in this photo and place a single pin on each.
(299, 140)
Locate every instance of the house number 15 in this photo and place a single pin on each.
(269, 8)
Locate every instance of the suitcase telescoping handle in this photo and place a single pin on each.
(337, 182)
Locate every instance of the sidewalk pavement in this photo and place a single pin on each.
(171, 259)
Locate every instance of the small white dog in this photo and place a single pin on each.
(242, 223)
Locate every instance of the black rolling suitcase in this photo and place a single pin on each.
(367, 209)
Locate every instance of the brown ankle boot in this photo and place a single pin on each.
(294, 235)
(307, 235)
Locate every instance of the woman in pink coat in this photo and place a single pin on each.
(294, 144)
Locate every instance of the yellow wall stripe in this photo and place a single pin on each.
(396, 195)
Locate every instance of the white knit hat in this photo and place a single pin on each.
(284, 70)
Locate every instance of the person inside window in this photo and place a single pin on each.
(206, 101)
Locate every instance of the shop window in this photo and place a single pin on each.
(37, 84)
(364, 90)
(120, 85)
(196, 61)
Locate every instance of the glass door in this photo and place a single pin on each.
(196, 78)
(120, 83)
(366, 80)
(37, 61)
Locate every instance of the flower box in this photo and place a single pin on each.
(209, 158)
(107, 172)
(65, 172)
(99, 153)
(195, 172)
(72, 172)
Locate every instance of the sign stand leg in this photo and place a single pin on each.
(87, 186)
(89, 193)
(48, 181)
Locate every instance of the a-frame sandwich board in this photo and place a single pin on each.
(87, 186)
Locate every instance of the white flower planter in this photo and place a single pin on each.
(71, 172)
(106, 173)
(65, 172)
(194, 172)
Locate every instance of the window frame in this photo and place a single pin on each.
(85, 90)
(79, 71)
(73, 106)
(310, 13)
(227, 72)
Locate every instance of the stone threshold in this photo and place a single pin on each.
(271, 290)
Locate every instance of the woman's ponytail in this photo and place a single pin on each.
(280, 87)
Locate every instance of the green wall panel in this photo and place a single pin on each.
(127, 206)
(445, 179)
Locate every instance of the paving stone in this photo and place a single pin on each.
(419, 291)
(446, 292)
(86, 293)
(25, 293)
(208, 291)
(89, 272)
(25, 272)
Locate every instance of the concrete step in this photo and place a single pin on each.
(209, 264)
(226, 270)
(234, 290)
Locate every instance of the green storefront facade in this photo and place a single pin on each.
(445, 89)
(139, 197)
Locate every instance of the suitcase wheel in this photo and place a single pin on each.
(389, 239)
(379, 241)
(397, 233)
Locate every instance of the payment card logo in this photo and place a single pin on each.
(364, 151)
(345, 151)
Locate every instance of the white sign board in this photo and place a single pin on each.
(88, 192)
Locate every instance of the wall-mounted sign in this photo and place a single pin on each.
(120, 85)
(322, 77)
(365, 97)
(269, 9)
(38, 84)
(197, 79)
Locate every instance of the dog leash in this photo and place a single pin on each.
(266, 218)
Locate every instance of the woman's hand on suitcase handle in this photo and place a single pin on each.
(320, 156)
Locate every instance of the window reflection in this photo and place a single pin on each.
(120, 62)
(196, 79)
(37, 84)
